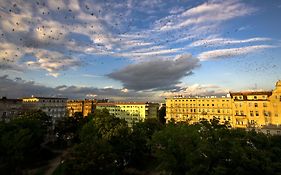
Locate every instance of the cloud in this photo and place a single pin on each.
(226, 41)
(53, 62)
(156, 74)
(225, 53)
(197, 89)
(17, 88)
(204, 14)
(67, 30)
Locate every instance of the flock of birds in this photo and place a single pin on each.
(53, 38)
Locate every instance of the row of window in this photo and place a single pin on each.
(249, 97)
(250, 105)
(256, 113)
(194, 105)
(182, 100)
(201, 110)
(54, 101)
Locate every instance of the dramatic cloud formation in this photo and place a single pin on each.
(68, 29)
(20, 88)
(82, 41)
(156, 74)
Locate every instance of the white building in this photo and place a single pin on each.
(54, 107)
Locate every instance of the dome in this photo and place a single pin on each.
(278, 83)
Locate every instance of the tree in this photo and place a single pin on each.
(67, 129)
(105, 146)
(140, 137)
(176, 147)
(162, 114)
(21, 139)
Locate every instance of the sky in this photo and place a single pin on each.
(138, 50)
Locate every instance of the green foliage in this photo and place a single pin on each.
(21, 139)
(175, 146)
(67, 129)
(140, 137)
(210, 148)
(105, 146)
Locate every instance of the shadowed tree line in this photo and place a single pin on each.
(104, 144)
(21, 140)
(108, 146)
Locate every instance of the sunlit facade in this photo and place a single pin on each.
(192, 109)
(240, 109)
(132, 112)
(84, 106)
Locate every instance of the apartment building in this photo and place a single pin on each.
(54, 107)
(131, 111)
(84, 106)
(260, 110)
(9, 108)
(192, 109)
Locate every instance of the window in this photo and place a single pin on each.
(255, 97)
(251, 113)
(257, 113)
(256, 104)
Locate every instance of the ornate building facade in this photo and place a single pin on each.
(260, 110)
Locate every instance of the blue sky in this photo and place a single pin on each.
(138, 50)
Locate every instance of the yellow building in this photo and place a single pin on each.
(84, 106)
(261, 110)
(192, 109)
(251, 109)
(131, 111)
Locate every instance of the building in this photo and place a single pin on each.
(54, 107)
(131, 111)
(252, 110)
(9, 108)
(192, 109)
(84, 106)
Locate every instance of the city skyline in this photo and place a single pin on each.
(138, 50)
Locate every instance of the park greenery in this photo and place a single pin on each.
(104, 144)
